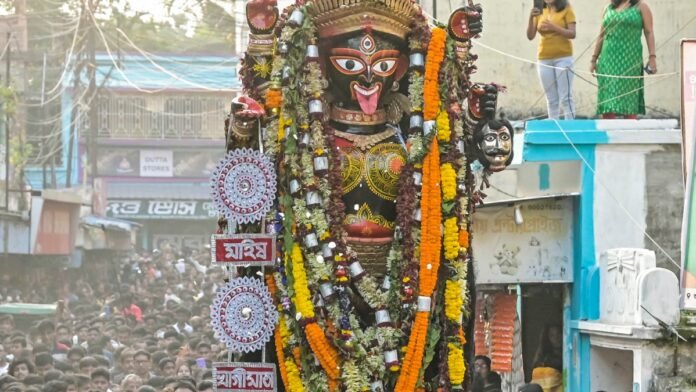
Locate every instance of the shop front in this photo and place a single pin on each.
(178, 223)
(524, 267)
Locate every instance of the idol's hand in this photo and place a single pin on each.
(262, 15)
(246, 109)
(483, 101)
(474, 19)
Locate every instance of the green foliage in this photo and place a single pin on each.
(20, 153)
(8, 100)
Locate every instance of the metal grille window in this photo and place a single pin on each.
(160, 116)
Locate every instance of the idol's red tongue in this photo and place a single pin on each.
(368, 103)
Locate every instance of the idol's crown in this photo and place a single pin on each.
(338, 17)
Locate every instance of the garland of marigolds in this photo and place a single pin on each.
(321, 344)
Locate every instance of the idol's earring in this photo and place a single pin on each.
(395, 86)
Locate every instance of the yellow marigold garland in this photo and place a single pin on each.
(449, 182)
(294, 380)
(453, 301)
(444, 131)
(431, 87)
(451, 240)
(455, 362)
(303, 301)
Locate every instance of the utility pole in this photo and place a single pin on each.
(77, 77)
(8, 76)
(92, 96)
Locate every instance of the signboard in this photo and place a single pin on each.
(156, 163)
(243, 249)
(688, 279)
(688, 107)
(160, 209)
(126, 162)
(536, 247)
(244, 377)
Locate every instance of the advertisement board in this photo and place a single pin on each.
(531, 245)
(688, 122)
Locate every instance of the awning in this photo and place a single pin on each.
(105, 223)
(31, 309)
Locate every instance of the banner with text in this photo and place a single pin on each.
(688, 60)
(161, 209)
(536, 247)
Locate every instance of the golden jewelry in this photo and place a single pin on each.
(364, 142)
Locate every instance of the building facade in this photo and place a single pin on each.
(589, 212)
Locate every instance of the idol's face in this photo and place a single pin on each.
(363, 67)
(496, 147)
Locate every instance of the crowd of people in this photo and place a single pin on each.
(147, 330)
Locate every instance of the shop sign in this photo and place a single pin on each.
(244, 377)
(156, 163)
(688, 278)
(185, 163)
(160, 209)
(243, 249)
(535, 247)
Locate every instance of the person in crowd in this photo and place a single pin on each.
(4, 364)
(19, 344)
(184, 370)
(55, 386)
(43, 363)
(142, 364)
(182, 326)
(618, 58)
(7, 324)
(167, 367)
(70, 382)
(75, 354)
(101, 380)
(548, 360)
(184, 386)
(87, 365)
(555, 22)
(531, 388)
(20, 368)
(484, 378)
(131, 383)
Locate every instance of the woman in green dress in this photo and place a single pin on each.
(618, 58)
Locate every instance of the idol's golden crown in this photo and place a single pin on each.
(338, 17)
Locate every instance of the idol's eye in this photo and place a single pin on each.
(489, 138)
(348, 65)
(384, 67)
(504, 136)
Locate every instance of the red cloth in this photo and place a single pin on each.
(134, 311)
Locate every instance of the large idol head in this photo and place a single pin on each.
(362, 68)
(494, 143)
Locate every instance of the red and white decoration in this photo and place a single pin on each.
(244, 186)
(243, 250)
(244, 377)
(243, 315)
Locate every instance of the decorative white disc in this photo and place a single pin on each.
(243, 315)
(244, 185)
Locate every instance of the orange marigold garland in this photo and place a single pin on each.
(436, 53)
(430, 248)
